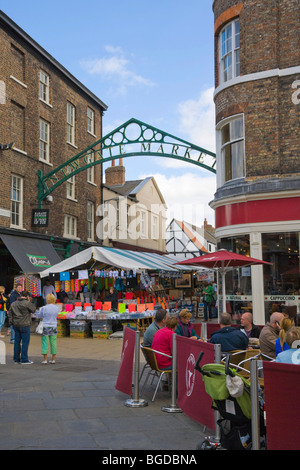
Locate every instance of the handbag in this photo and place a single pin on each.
(39, 328)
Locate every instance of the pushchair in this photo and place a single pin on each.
(231, 397)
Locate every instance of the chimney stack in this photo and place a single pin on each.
(115, 175)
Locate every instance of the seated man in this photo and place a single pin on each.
(228, 337)
(163, 342)
(292, 355)
(269, 335)
(247, 326)
(158, 323)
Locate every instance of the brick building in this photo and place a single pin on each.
(50, 116)
(257, 100)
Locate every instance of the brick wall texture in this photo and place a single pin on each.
(269, 40)
(20, 112)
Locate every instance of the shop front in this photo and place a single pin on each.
(268, 288)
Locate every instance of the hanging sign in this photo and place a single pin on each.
(40, 218)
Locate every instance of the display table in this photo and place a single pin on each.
(99, 324)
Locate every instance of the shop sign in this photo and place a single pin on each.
(282, 298)
(239, 297)
(40, 218)
(206, 276)
(39, 261)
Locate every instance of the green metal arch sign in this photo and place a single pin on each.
(132, 139)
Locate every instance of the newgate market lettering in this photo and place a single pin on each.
(132, 139)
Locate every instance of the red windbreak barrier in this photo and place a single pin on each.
(192, 397)
(197, 328)
(124, 380)
(211, 328)
(282, 392)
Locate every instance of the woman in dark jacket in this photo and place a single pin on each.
(185, 327)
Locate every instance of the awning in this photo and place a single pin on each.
(32, 254)
(124, 259)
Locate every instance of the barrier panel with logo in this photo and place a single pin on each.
(124, 380)
(192, 397)
(282, 391)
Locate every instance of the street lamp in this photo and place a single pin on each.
(7, 146)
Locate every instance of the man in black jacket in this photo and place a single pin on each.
(19, 315)
(251, 330)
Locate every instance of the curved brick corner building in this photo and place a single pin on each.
(257, 100)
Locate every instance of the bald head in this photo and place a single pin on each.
(247, 320)
(275, 319)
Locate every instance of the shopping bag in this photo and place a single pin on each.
(39, 328)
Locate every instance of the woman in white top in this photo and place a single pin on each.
(49, 316)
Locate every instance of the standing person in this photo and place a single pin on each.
(48, 289)
(3, 308)
(14, 295)
(208, 296)
(19, 315)
(215, 298)
(49, 316)
(113, 298)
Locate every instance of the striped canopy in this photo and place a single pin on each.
(124, 259)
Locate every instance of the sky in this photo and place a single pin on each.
(149, 60)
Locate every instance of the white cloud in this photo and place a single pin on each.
(187, 196)
(115, 66)
(197, 120)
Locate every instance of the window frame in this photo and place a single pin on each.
(221, 147)
(44, 87)
(71, 188)
(90, 221)
(90, 174)
(19, 203)
(155, 227)
(232, 53)
(91, 121)
(45, 142)
(71, 117)
(70, 226)
(143, 223)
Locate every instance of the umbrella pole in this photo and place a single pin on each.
(223, 272)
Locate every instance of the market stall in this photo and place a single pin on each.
(86, 277)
